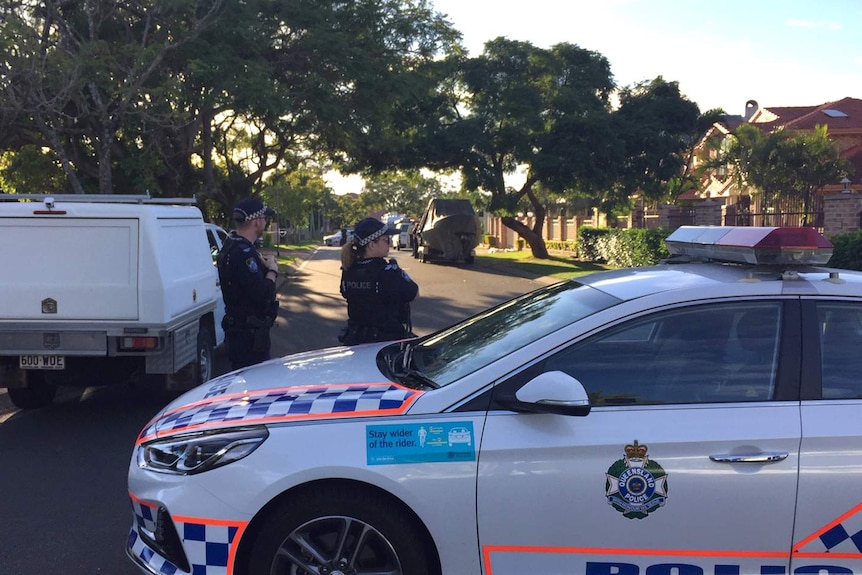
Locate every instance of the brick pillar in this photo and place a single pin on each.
(842, 213)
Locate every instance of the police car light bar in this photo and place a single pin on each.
(751, 245)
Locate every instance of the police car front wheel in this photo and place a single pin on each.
(336, 529)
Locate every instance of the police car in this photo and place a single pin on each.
(693, 417)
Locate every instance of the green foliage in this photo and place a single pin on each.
(562, 245)
(296, 196)
(784, 163)
(658, 126)
(31, 171)
(589, 240)
(622, 248)
(401, 193)
(848, 251)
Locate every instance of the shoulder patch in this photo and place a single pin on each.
(251, 263)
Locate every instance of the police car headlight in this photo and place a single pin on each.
(199, 452)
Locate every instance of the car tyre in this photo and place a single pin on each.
(337, 529)
(199, 370)
(38, 393)
(205, 364)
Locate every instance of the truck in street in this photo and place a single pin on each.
(100, 289)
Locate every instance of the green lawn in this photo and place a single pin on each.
(558, 266)
(289, 253)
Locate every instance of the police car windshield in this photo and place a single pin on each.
(457, 351)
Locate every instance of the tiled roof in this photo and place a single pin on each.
(809, 117)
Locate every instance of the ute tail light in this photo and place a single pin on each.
(138, 343)
(751, 245)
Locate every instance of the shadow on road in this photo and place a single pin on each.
(63, 480)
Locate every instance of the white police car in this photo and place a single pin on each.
(688, 418)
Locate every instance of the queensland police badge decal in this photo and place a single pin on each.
(635, 485)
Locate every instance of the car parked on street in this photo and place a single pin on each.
(401, 240)
(697, 416)
(335, 239)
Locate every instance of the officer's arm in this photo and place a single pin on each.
(260, 290)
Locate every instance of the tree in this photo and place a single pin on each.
(542, 111)
(402, 193)
(660, 129)
(73, 73)
(783, 163)
(210, 96)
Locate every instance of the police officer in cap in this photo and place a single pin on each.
(377, 291)
(248, 286)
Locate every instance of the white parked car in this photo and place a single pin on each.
(402, 238)
(690, 418)
(332, 239)
(335, 239)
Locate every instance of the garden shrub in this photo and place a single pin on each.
(848, 251)
(623, 247)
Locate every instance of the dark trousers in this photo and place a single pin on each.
(247, 346)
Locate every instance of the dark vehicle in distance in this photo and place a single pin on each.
(448, 231)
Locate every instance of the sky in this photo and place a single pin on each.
(722, 53)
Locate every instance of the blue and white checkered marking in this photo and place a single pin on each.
(839, 540)
(154, 562)
(145, 516)
(284, 404)
(843, 536)
(209, 545)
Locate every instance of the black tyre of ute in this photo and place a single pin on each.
(204, 366)
(200, 370)
(37, 393)
(338, 529)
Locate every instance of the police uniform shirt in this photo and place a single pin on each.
(242, 274)
(378, 293)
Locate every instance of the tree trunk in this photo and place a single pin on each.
(537, 243)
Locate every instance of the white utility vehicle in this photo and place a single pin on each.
(100, 289)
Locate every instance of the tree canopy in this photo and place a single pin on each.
(208, 96)
(784, 163)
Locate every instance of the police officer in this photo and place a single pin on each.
(377, 291)
(248, 286)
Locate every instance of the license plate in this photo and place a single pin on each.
(42, 362)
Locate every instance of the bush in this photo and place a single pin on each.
(588, 243)
(623, 248)
(562, 245)
(848, 251)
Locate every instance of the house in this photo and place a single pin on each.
(837, 207)
(736, 206)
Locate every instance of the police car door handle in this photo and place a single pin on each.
(762, 457)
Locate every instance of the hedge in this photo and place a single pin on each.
(622, 248)
(848, 251)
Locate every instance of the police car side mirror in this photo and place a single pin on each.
(551, 392)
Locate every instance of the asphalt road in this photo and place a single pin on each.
(64, 507)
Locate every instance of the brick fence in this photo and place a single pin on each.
(842, 213)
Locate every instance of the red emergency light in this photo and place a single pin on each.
(751, 245)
